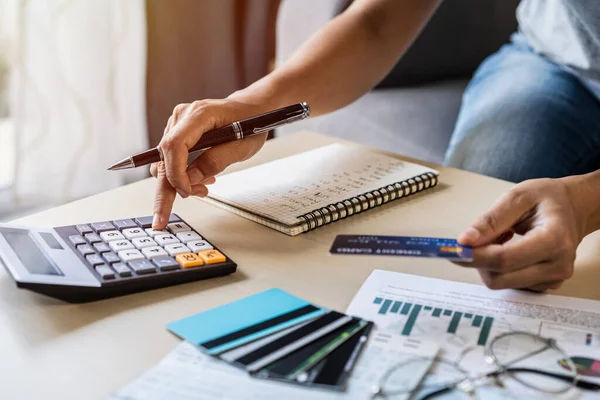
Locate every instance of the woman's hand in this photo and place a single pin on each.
(551, 217)
(184, 129)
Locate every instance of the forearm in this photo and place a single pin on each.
(346, 58)
(585, 192)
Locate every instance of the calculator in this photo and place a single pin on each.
(98, 260)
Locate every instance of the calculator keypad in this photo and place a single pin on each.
(133, 233)
(164, 240)
(131, 255)
(102, 247)
(130, 247)
(105, 272)
(152, 252)
(92, 238)
(111, 235)
(176, 248)
(165, 263)
(102, 226)
(189, 236)
(142, 266)
(142, 242)
(177, 227)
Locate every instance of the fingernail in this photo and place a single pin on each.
(470, 236)
(156, 220)
(182, 193)
(195, 176)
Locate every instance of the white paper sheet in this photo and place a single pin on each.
(186, 374)
(459, 315)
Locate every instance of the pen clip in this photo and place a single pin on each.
(277, 124)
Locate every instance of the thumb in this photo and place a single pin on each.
(507, 211)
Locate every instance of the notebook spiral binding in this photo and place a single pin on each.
(355, 205)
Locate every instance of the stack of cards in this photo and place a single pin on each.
(275, 335)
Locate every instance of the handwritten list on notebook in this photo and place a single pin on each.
(302, 192)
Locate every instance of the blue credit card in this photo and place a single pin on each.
(403, 246)
(242, 321)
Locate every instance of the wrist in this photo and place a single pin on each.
(584, 192)
(266, 93)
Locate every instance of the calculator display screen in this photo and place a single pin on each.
(28, 252)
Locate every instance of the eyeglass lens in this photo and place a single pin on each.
(533, 361)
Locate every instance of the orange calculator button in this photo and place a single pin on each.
(189, 260)
(212, 256)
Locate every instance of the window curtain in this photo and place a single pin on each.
(78, 96)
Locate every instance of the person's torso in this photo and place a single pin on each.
(565, 31)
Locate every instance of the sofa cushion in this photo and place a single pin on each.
(455, 41)
(415, 122)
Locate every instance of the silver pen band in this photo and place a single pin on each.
(237, 129)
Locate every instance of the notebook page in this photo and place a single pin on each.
(285, 189)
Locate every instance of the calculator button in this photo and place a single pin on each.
(102, 226)
(86, 249)
(111, 235)
(165, 263)
(142, 242)
(105, 272)
(94, 259)
(177, 248)
(142, 267)
(174, 218)
(77, 240)
(122, 269)
(188, 236)
(111, 257)
(177, 227)
(83, 229)
(189, 260)
(152, 252)
(133, 233)
(118, 245)
(144, 222)
(199, 245)
(92, 238)
(131, 255)
(212, 256)
(166, 239)
(101, 247)
(151, 232)
(124, 224)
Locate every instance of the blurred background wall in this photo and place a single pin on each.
(84, 83)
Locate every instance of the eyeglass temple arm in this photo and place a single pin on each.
(438, 392)
(580, 384)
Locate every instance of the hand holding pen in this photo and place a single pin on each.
(216, 125)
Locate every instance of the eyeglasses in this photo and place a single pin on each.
(521, 364)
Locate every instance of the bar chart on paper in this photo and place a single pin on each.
(447, 317)
(459, 315)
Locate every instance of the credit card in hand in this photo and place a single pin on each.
(403, 246)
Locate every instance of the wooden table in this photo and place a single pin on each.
(54, 350)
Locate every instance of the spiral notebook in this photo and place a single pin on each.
(303, 192)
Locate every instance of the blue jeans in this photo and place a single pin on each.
(524, 117)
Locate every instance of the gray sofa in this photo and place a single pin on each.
(413, 110)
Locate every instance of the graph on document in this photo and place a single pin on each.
(460, 325)
(447, 317)
(460, 314)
